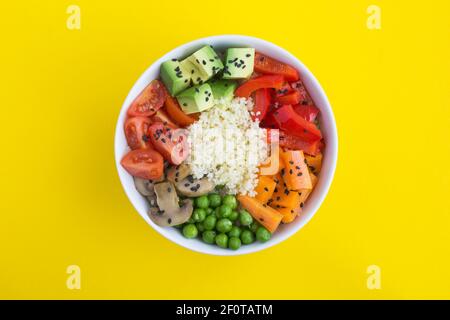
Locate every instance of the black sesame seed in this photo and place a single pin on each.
(169, 221)
(291, 162)
(299, 174)
(291, 172)
(292, 211)
(241, 61)
(248, 55)
(177, 68)
(174, 60)
(197, 60)
(192, 71)
(297, 167)
(207, 99)
(212, 60)
(196, 89)
(169, 189)
(266, 189)
(185, 104)
(301, 205)
(186, 80)
(186, 185)
(163, 140)
(204, 62)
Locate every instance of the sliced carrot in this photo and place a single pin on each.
(304, 193)
(264, 189)
(289, 214)
(296, 174)
(287, 199)
(314, 163)
(265, 215)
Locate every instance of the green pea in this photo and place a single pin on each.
(262, 234)
(209, 236)
(200, 226)
(224, 225)
(234, 243)
(191, 219)
(209, 211)
(199, 215)
(210, 222)
(224, 211)
(247, 237)
(222, 240)
(215, 200)
(254, 226)
(235, 232)
(245, 218)
(202, 202)
(230, 201)
(234, 215)
(190, 231)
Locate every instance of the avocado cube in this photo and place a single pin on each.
(239, 63)
(207, 61)
(223, 89)
(196, 76)
(175, 76)
(196, 99)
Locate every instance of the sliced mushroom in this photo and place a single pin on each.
(191, 187)
(177, 173)
(145, 187)
(168, 211)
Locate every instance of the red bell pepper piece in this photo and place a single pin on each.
(269, 122)
(288, 120)
(305, 98)
(292, 142)
(247, 88)
(290, 98)
(308, 112)
(262, 104)
(268, 65)
(285, 89)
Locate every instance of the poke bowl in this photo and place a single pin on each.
(226, 145)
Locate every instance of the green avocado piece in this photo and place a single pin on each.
(239, 63)
(206, 61)
(196, 99)
(196, 76)
(175, 76)
(223, 89)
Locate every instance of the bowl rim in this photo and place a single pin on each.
(332, 142)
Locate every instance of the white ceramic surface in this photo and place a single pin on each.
(328, 127)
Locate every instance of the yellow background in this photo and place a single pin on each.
(62, 202)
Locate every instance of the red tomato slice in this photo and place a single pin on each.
(309, 112)
(268, 65)
(248, 87)
(148, 101)
(171, 143)
(136, 130)
(292, 142)
(288, 120)
(175, 112)
(162, 116)
(144, 163)
(262, 104)
(290, 98)
(305, 98)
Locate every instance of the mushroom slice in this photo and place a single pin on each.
(168, 211)
(145, 187)
(191, 187)
(177, 173)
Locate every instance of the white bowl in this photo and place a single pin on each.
(328, 127)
